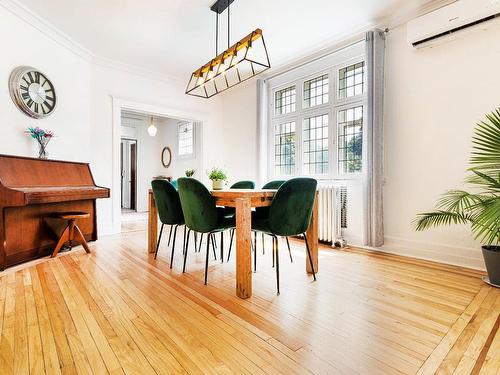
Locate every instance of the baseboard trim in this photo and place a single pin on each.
(435, 252)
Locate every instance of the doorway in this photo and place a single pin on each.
(128, 162)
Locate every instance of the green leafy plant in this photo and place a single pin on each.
(481, 209)
(189, 172)
(217, 174)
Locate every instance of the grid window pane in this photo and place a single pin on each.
(350, 140)
(351, 80)
(186, 139)
(284, 101)
(315, 144)
(316, 91)
(284, 148)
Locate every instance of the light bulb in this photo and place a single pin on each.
(152, 130)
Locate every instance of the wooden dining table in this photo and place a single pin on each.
(243, 200)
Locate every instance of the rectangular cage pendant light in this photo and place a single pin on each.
(240, 62)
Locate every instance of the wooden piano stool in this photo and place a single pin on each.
(71, 232)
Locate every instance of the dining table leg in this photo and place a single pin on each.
(243, 252)
(152, 223)
(312, 238)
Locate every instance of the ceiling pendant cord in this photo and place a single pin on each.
(216, 34)
(228, 25)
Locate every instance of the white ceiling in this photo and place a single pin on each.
(174, 37)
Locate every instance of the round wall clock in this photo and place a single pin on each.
(32, 92)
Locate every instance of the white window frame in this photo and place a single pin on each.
(330, 65)
(192, 155)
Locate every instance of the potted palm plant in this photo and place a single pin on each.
(218, 176)
(481, 208)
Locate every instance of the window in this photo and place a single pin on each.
(186, 138)
(285, 101)
(315, 145)
(316, 91)
(350, 140)
(351, 80)
(316, 118)
(284, 149)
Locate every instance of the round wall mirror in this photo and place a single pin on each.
(166, 157)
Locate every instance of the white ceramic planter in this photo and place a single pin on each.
(217, 184)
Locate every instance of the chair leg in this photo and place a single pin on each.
(230, 244)
(173, 247)
(273, 251)
(222, 247)
(209, 236)
(255, 241)
(275, 239)
(255, 254)
(79, 237)
(310, 257)
(212, 239)
(62, 240)
(170, 235)
(159, 239)
(289, 251)
(195, 241)
(263, 245)
(184, 242)
(186, 251)
(199, 247)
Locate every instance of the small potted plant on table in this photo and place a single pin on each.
(218, 176)
(189, 172)
(481, 209)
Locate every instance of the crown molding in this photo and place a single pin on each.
(49, 30)
(58, 36)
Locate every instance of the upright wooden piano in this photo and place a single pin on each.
(31, 190)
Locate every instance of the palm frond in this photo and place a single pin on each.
(486, 224)
(437, 218)
(458, 201)
(489, 180)
(486, 143)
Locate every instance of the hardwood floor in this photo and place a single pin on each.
(120, 311)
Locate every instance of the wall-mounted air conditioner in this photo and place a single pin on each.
(450, 19)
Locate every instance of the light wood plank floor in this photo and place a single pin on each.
(120, 311)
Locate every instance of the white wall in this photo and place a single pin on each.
(168, 133)
(433, 99)
(24, 45)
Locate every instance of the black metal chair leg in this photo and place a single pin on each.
(173, 247)
(186, 251)
(289, 251)
(310, 257)
(230, 245)
(255, 254)
(263, 245)
(214, 241)
(255, 241)
(212, 238)
(206, 258)
(170, 235)
(184, 241)
(195, 241)
(201, 240)
(222, 247)
(159, 238)
(273, 252)
(277, 265)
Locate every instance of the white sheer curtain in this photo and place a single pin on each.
(374, 125)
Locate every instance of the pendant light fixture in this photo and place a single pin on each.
(239, 62)
(152, 129)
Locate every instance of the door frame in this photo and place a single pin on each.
(119, 105)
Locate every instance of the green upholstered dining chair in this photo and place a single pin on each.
(169, 210)
(201, 214)
(174, 184)
(289, 215)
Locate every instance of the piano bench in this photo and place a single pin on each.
(71, 232)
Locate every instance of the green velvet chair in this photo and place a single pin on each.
(174, 184)
(289, 215)
(201, 214)
(169, 210)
